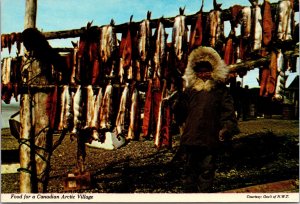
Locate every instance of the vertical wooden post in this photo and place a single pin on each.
(42, 132)
(25, 150)
(30, 14)
(26, 113)
(40, 137)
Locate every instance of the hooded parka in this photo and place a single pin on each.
(205, 107)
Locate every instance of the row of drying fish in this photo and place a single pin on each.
(257, 21)
(8, 40)
(93, 110)
(142, 56)
(89, 109)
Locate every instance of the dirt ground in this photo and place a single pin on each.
(266, 150)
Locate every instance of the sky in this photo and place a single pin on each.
(55, 15)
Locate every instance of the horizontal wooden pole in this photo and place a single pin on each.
(168, 22)
(47, 87)
(252, 64)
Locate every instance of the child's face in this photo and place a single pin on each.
(204, 73)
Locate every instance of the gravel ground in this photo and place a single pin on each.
(266, 150)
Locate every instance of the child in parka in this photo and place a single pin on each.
(205, 110)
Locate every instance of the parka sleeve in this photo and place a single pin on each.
(228, 117)
(180, 107)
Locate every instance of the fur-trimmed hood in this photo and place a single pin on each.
(218, 75)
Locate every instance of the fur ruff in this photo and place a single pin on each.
(219, 73)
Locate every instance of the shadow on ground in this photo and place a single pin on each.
(252, 160)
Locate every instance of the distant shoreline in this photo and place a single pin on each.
(7, 110)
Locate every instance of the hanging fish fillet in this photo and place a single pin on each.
(156, 100)
(3, 42)
(3, 70)
(16, 76)
(9, 44)
(144, 37)
(125, 55)
(75, 63)
(65, 112)
(51, 107)
(235, 12)
(108, 41)
(160, 49)
(66, 61)
(133, 129)
(68, 115)
(82, 71)
(196, 34)
(179, 34)
(6, 84)
(265, 73)
(257, 28)
(19, 41)
(281, 79)
(108, 49)
(121, 70)
(267, 23)
(6, 71)
(93, 64)
(216, 25)
(62, 108)
(166, 137)
(270, 88)
(137, 70)
(77, 110)
(106, 108)
(90, 103)
(95, 72)
(279, 91)
(229, 50)
(284, 15)
(246, 22)
(147, 70)
(13, 38)
(280, 61)
(120, 121)
(96, 115)
(147, 111)
(246, 25)
(159, 124)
